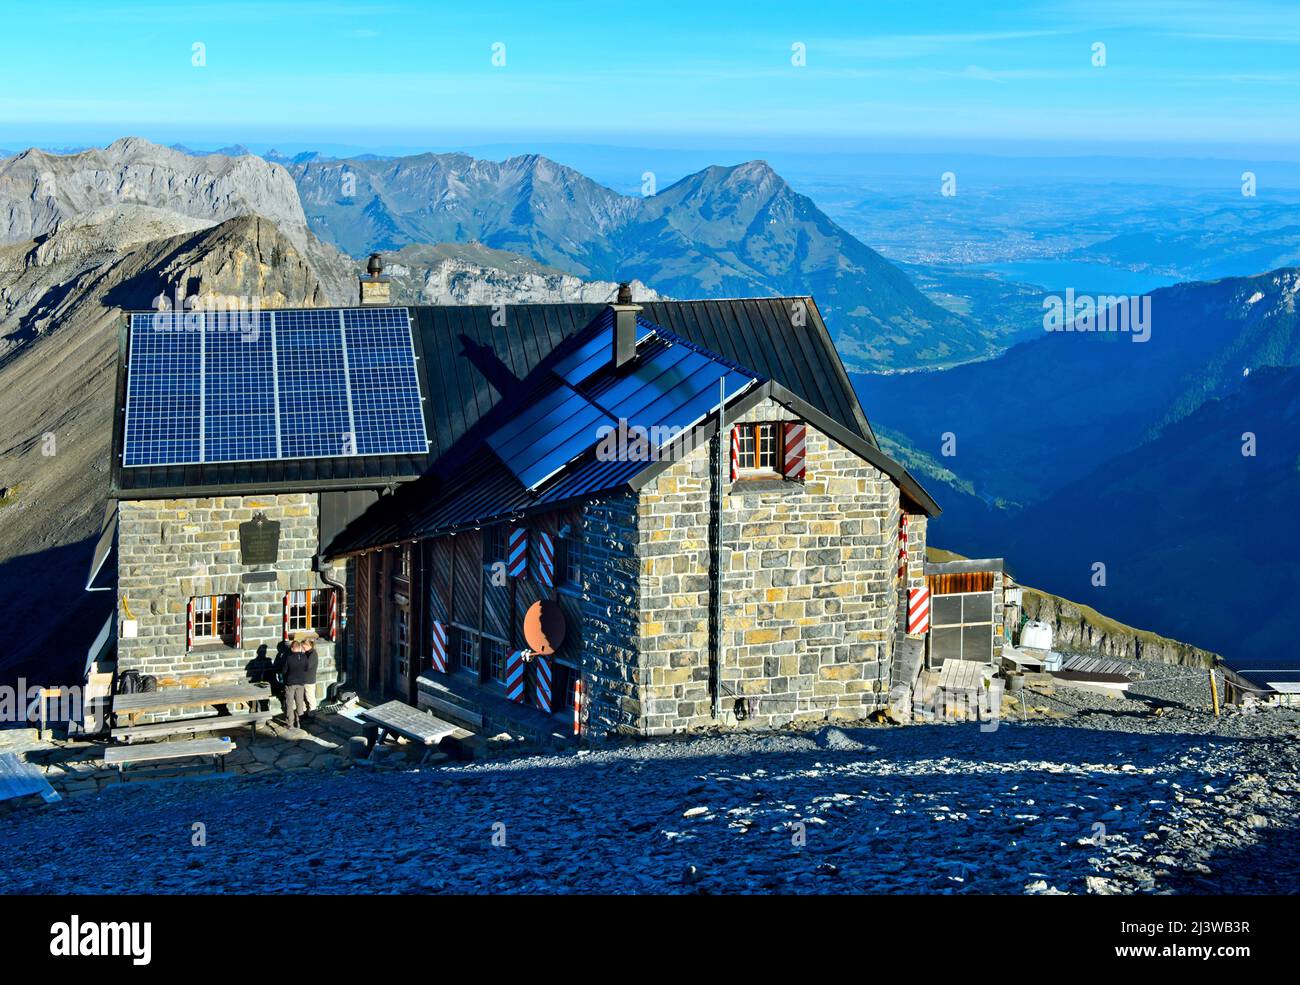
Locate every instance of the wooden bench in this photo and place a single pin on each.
(124, 756)
(397, 718)
(473, 721)
(19, 778)
(191, 726)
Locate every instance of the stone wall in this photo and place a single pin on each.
(611, 668)
(171, 550)
(808, 583)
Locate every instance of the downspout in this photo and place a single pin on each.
(723, 445)
(340, 644)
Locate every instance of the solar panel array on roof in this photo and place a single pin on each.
(594, 354)
(671, 386)
(264, 385)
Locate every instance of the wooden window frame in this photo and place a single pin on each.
(312, 606)
(564, 563)
(489, 647)
(213, 618)
(750, 446)
(464, 638)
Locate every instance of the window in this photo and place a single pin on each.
(568, 559)
(757, 447)
(466, 654)
(961, 627)
(402, 633)
(214, 619)
(495, 654)
(494, 544)
(404, 563)
(311, 610)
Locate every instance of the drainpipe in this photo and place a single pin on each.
(340, 644)
(723, 445)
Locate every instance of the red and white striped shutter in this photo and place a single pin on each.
(795, 447)
(440, 646)
(542, 683)
(285, 618)
(189, 625)
(735, 454)
(918, 611)
(239, 621)
(577, 706)
(334, 614)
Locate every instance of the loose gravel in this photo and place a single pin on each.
(1108, 798)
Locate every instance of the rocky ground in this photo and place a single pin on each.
(1086, 794)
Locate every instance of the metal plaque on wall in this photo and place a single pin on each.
(259, 540)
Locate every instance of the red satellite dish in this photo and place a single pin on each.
(544, 627)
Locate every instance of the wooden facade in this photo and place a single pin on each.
(460, 580)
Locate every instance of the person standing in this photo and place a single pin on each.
(298, 666)
(313, 664)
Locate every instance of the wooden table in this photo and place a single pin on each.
(184, 697)
(398, 718)
(19, 778)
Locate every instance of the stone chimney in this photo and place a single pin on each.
(375, 287)
(625, 313)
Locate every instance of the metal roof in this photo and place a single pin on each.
(471, 360)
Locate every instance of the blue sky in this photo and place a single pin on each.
(1198, 75)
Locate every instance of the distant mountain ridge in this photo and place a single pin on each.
(722, 232)
(1063, 403)
(1135, 450)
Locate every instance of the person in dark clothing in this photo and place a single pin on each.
(299, 677)
(313, 662)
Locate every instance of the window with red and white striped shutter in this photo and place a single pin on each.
(735, 454)
(285, 618)
(189, 625)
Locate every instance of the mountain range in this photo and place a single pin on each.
(721, 232)
(1136, 450)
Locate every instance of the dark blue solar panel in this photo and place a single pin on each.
(253, 386)
(386, 406)
(672, 386)
(673, 390)
(162, 391)
(238, 386)
(595, 353)
(315, 418)
(546, 435)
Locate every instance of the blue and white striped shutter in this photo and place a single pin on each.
(515, 676)
(545, 573)
(439, 646)
(517, 552)
(542, 683)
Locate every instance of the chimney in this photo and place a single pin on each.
(625, 313)
(375, 287)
